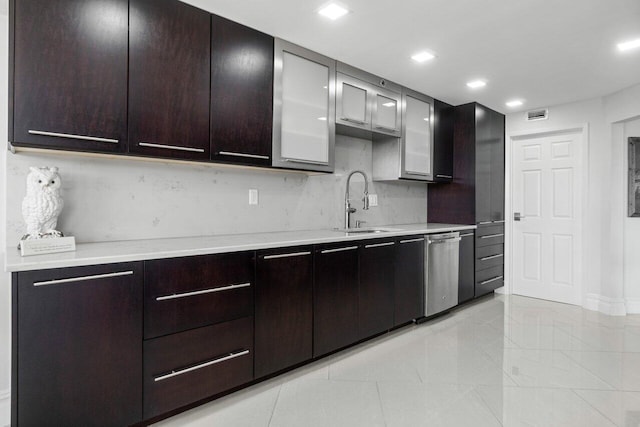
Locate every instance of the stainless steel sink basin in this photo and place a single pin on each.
(367, 230)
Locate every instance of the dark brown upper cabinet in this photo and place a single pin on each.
(443, 142)
(241, 93)
(169, 79)
(69, 74)
(476, 196)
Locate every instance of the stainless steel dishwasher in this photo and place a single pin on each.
(442, 259)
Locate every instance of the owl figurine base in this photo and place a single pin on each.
(40, 209)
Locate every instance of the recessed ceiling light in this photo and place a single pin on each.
(389, 104)
(514, 103)
(324, 119)
(477, 84)
(426, 119)
(333, 11)
(631, 44)
(423, 56)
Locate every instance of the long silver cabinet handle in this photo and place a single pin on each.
(311, 162)
(251, 156)
(491, 257)
(444, 176)
(171, 147)
(485, 222)
(83, 278)
(358, 122)
(491, 280)
(466, 235)
(286, 255)
(453, 240)
(386, 129)
(491, 236)
(500, 221)
(204, 291)
(412, 240)
(68, 135)
(330, 251)
(202, 365)
(378, 245)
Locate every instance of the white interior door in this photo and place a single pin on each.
(546, 185)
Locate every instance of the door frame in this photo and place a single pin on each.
(512, 138)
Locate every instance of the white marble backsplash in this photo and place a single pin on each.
(110, 199)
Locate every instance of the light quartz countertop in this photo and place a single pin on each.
(140, 250)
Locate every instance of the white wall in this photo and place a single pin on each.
(606, 256)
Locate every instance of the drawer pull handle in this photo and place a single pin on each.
(68, 135)
(358, 122)
(412, 240)
(491, 257)
(204, 291)
(330, 251)
(491, 280)
(501, 221)
(171, 147)
(229, 356)
(251, 156)
(466, 235)
(83, 278)
(444, 176)
(485, 222)
(491, 236)
(286, 255)
(378, 245)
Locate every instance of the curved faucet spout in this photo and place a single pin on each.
(348, 210)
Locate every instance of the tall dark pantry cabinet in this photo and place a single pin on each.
(476, 194)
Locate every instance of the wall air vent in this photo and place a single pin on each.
(537, 115)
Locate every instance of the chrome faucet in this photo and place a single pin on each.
(348, 210)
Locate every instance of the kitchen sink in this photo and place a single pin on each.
(367, 230)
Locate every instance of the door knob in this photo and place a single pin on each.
(517, 216)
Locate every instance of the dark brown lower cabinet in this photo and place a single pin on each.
(283, 309)
(377, 275)
(78, 346)
(189, 366)
(335, 302)
(466, 267)
(409, 283)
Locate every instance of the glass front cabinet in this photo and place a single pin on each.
(303, 109)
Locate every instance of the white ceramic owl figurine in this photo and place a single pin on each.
(42, 204)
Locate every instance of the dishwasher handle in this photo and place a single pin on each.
(451, 240)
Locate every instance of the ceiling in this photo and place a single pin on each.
(546, 52)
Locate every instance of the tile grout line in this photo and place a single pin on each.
(384, 418)
(275, 403)
(593, 407)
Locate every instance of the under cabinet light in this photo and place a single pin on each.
(423, 56)
(477, 84)
(631, 44)
(333, 11)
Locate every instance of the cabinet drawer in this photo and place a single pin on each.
(191, 292)
(489, 279)
(183, 368)
(489, 235)
(489, 256)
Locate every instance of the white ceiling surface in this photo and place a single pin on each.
(546, 52)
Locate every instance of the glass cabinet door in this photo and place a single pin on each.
(386, 116)
(417, 147)
(352, 104)
(304, 109)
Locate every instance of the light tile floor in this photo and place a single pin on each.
(503, 360)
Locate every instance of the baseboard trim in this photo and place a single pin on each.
(605, 305)
(633, 305)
